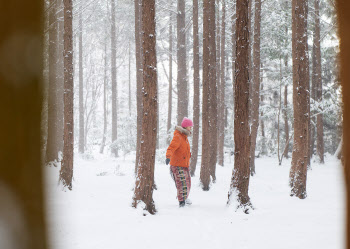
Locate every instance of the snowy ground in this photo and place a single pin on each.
(97, 214)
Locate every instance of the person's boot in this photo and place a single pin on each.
(182, 203)
(188, 202)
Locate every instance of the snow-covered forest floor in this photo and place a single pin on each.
(97, 214)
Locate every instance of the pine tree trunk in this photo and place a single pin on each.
(286, 126)
(313, 97)
(145, 175)
(52, 122)
(255, 86)
(209, 94)
(262, 123)
(170, 93)
(60, 76)
(241, 173)
(300, 153)
(81, 85)
(66, 173)
(114, 81)
(196, 94)
(138, 55)
(318, 77)
(221, 87)
(182, 97)
(103, 143)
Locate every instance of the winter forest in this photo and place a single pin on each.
(258, 78)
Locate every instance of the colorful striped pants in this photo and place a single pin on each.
(182, 178)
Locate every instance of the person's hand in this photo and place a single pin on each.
(167, 161)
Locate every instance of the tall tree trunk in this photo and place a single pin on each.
(196, 91)
(209, 94)
(81, 84)
(182, 97)
(221, 87)
(138, 55)
(52, 122)
(313, 98)
(255, 85)
(250, 41)
(241, 173)
(103, 143)
(318, 77)
(129, 74)
(21, 175)
(262, 123)
(66, 173)
(170, 93)
(286, 126)
(114, 81)
(145, 174)
(60, 76)
(300, 153)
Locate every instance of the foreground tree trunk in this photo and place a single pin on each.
(52, 148)
(255, 86)
(300, 153)
(22, 213)
(114, 81)
(318, 78)
(81, 85)
(182, 97)
(196, 94)
(145, 175)
(240, 176)
(66, 173)
(221, 88)
(209, 104)
(138, 55)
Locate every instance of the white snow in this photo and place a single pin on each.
(97, 214)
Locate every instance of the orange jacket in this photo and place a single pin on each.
(179, 149)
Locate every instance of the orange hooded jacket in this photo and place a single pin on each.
(179, 149)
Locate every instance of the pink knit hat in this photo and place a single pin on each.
(186, 122)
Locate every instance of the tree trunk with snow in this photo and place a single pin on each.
(114, 81)
(66, 173)
(300, 155)
(145, 175)
(240, 176)
(81, 85)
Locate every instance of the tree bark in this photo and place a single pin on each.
(255, 85)
(66, 173)
(196, 91)
(300, 155)
(262, 123)
(138, 55)
(114, 81)
(221, 87)
(21, 174)
(318, 77)
(145, 175)
(182, 97)
(240, 176)
(209, 141)
(60, 76)
(170, 93)
(52, 122)
(81, 85)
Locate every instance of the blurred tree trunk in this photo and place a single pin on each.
(103, 143)
(300, 153)
(255, 86)
(221, 88)
(81, 85)
(196, 94)
(66, 173)
(145, 175)
(209, 94)
(182, 97)
(138, 55)
(241, 173)
(52, 122)
(114, 81)
(318, 78)
(22, 213)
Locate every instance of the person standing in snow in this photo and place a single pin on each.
(178, 155)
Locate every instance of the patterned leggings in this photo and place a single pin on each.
(182, 178)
